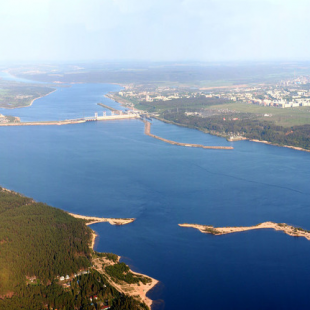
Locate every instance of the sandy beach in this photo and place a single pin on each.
(93, 220)
(134, 290)
(287, 229)
(288, 146)
(138, 291)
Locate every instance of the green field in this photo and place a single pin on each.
(284, 117)
(18, 95)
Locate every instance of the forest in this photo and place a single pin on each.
(251, 128)
(38, 245)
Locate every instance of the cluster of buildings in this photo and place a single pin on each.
(3, 119)
(285, 94)
(151, 96)
(272, 96)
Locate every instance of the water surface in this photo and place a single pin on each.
(112, 169)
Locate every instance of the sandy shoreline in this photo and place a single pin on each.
(134, 290)
(138, 291)
(94, 220)
(287, 229)
(32, 101)
(287, 146)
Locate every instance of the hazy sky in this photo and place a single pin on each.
(206, 30)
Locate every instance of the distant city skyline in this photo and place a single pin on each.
(149, 30)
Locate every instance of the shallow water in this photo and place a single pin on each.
(112, 169)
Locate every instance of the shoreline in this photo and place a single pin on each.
(32, 101)
(147, 131)
(133, 290)
(274, 144)
(110, 96)
(138, 290)
(217, 231)
(93, 220)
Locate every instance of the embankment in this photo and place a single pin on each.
(147, 131)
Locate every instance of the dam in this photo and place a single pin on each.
(120, 115)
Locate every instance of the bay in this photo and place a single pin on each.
(111, 169)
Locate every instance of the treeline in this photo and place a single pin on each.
(251, 128)
(191, 104)
(87, 292)
(121, 271)
(38, 240)
(38, 244)
(110, 256)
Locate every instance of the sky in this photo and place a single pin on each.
(154, 30)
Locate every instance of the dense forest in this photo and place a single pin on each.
(38, 245)
(37, 240)
(121, 271)
(251, 128)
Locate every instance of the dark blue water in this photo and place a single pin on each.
(112, 169)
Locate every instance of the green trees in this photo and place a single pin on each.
(120, 271)
(38, 243)
(37, 240)
(247, 126)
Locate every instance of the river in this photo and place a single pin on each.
(111, 169)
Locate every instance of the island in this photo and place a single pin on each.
(287, 229)
(47, 261)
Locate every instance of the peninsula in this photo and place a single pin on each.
(287, 229)
(93, 220)
(61, 270)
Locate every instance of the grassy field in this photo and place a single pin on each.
(17, 95)
(285, 117)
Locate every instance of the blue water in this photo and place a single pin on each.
(112, 169)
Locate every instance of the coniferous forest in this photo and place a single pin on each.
(38, 245)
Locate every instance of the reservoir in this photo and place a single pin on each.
(112, 169)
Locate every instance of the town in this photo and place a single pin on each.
(288, 93)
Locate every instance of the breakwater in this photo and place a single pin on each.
(107, 107)
(147, 131)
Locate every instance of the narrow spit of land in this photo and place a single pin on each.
(93, 220)
(147, 131)
(287, 229)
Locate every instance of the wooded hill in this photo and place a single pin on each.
(38, 240)
(38, 244)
